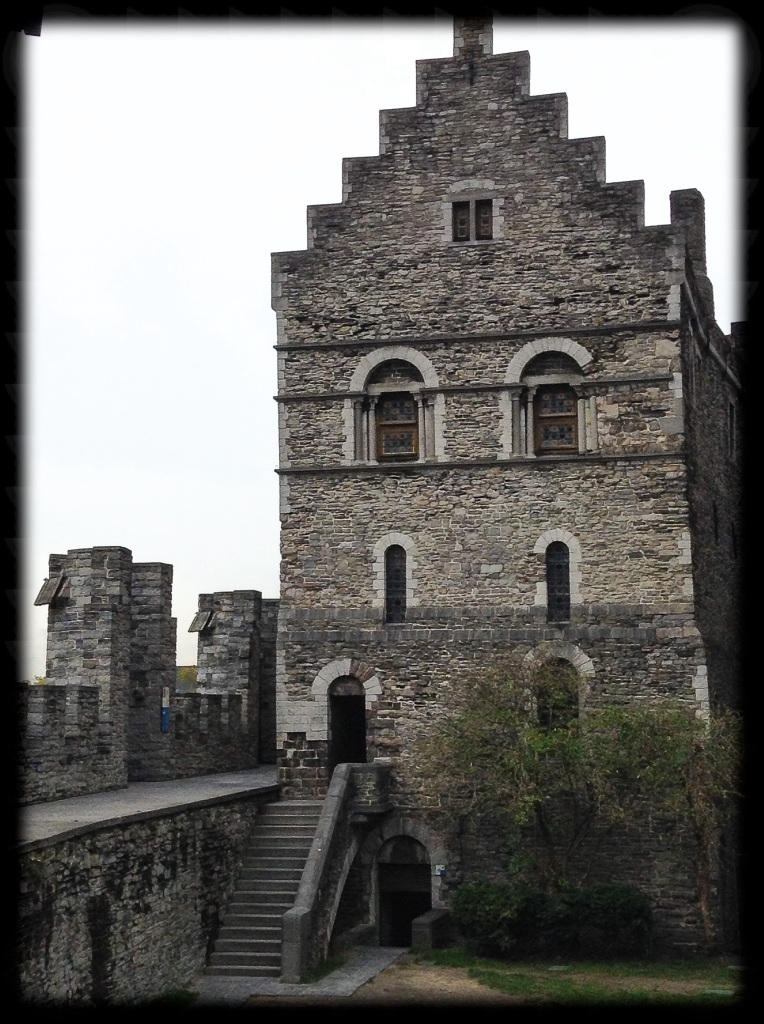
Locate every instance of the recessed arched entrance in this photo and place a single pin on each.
(347, 722)
(404, 875)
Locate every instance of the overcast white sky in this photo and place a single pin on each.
(166, 161)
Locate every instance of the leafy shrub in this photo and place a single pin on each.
(484, 913)
(610, 920)
(598, 921)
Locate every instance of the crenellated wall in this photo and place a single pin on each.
(109, 712)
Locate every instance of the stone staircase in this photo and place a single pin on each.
(249, 941)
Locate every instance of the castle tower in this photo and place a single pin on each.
(486, 420)
(89, 595)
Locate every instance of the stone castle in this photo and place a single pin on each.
(509, 427)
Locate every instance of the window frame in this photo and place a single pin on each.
(475, 207)
(396, 580)
(387, 428)
(561, 419)
(558, 598)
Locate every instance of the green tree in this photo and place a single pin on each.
(186, 677)
(520, 751)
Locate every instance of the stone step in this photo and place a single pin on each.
(265, 832)
(236, 958)
(268, 885)
(295, 806)
(280, 841)
(247, 944)
(283, 893)
(290, 819)
(270, 871)
(243, 929)
(268, 913)
(295, 864)
(231, 971)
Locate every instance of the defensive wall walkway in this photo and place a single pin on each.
(61, 819)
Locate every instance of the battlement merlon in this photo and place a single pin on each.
(688, 213)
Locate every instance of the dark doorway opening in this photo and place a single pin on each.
(347, 723)
(404, 889)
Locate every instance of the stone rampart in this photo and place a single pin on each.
(122, 914)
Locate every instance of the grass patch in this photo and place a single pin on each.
(695, 982)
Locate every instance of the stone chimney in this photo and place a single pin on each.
(473, 36)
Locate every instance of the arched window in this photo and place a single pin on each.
(556, 686)
(552, 404)
(395, 584)
(395, 410)
(557, 582)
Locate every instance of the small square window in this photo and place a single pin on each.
(472, 220)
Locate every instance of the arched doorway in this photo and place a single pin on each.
(405, 892)
(347, 722)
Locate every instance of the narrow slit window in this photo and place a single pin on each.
(557, 582)
(395, 584)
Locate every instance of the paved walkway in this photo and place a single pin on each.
(41, 823)
(213, 989)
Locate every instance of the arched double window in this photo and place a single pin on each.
(394, 412)
(391, 427)
(557, 582)
(395, 584)
(550, 394)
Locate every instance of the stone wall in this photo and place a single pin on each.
(653, 855)
(228, 656)
(268, 631)
(125, 913)
(714, 367)
(425, 668)
(59, 748)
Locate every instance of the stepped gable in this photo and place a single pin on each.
(566, 240)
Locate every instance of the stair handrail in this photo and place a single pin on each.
(297, 923)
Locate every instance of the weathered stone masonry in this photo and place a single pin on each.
(405, 295)
(124, 913)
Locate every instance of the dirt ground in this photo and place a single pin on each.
(407, 982)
